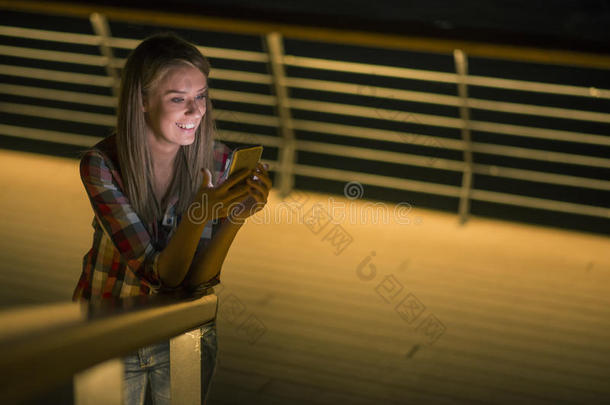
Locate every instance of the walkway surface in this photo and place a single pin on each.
(320, 307)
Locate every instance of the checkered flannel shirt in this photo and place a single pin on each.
(123, 259)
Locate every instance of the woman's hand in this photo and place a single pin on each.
(259, 185)
(213, 202)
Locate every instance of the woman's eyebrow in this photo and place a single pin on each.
(184, 92)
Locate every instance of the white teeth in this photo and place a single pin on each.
(186, 126)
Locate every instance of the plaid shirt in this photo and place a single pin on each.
(123, 259)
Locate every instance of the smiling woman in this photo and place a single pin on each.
(161, 160)
(173, 109)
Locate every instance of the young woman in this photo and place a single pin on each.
(141, 182)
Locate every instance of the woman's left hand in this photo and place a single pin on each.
(259, 185)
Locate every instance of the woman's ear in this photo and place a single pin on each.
(144, 104)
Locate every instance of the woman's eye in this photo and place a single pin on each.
(201, 96)
(177, 100)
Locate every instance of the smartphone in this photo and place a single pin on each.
(243, 157)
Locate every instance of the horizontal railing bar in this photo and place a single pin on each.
(541, 111)
(239, 76)
(549, 88)
(379, 155)
(59, 95)
(359, 38)
(55, 56)
(234, 54)
(377, 134)
(241, 97)
(369, 69)
(375, 112)
(540, 133)
(49, 136)
(534, 154)
(122, 43)
(249, 138)
(371, 91)
(540, 203)
(377, 180)
(447, 122)
(446, 143)
(448, 164)
(452, 101)
(48, 35)
(59, 114)
(208, 51)
(55, 75)
(71, 347)
(247, 118)
(451, 191)
(542, 177)
(88, 141)
(426, 75)
(224, 74)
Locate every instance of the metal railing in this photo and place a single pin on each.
(46, 345)
(299, 103)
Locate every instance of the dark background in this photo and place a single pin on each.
(567, 24)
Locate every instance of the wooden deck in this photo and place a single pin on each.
(492, 312)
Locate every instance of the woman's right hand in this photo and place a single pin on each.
(213, 202)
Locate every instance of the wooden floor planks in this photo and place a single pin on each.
(526, 309)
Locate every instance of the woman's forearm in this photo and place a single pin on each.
(208, 263)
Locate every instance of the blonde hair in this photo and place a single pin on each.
(145, 66)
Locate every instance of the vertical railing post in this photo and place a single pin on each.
(461, 67)
(287, 153)
(102, 30)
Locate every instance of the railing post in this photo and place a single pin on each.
(287, 155)
(461, 67)
(102, 30)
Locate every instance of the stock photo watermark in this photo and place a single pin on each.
(317, 217)
(232, 310)
(408, 307)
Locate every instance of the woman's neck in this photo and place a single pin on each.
(162, 154)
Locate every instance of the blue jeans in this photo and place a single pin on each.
(151, 365)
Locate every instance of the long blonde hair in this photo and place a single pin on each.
(146, 65)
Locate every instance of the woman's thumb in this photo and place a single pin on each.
(207, 178)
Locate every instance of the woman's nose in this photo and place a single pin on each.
(195, 108)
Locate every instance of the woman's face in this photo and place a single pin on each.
(174, 107)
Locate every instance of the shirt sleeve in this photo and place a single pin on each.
(118, 219)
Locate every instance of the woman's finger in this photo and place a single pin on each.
(259, 187)
(264, 177)
(234, 179)
(236, 192)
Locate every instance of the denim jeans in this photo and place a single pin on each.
(151, 365)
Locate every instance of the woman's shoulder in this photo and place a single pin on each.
(101, 157)
(105, 149)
